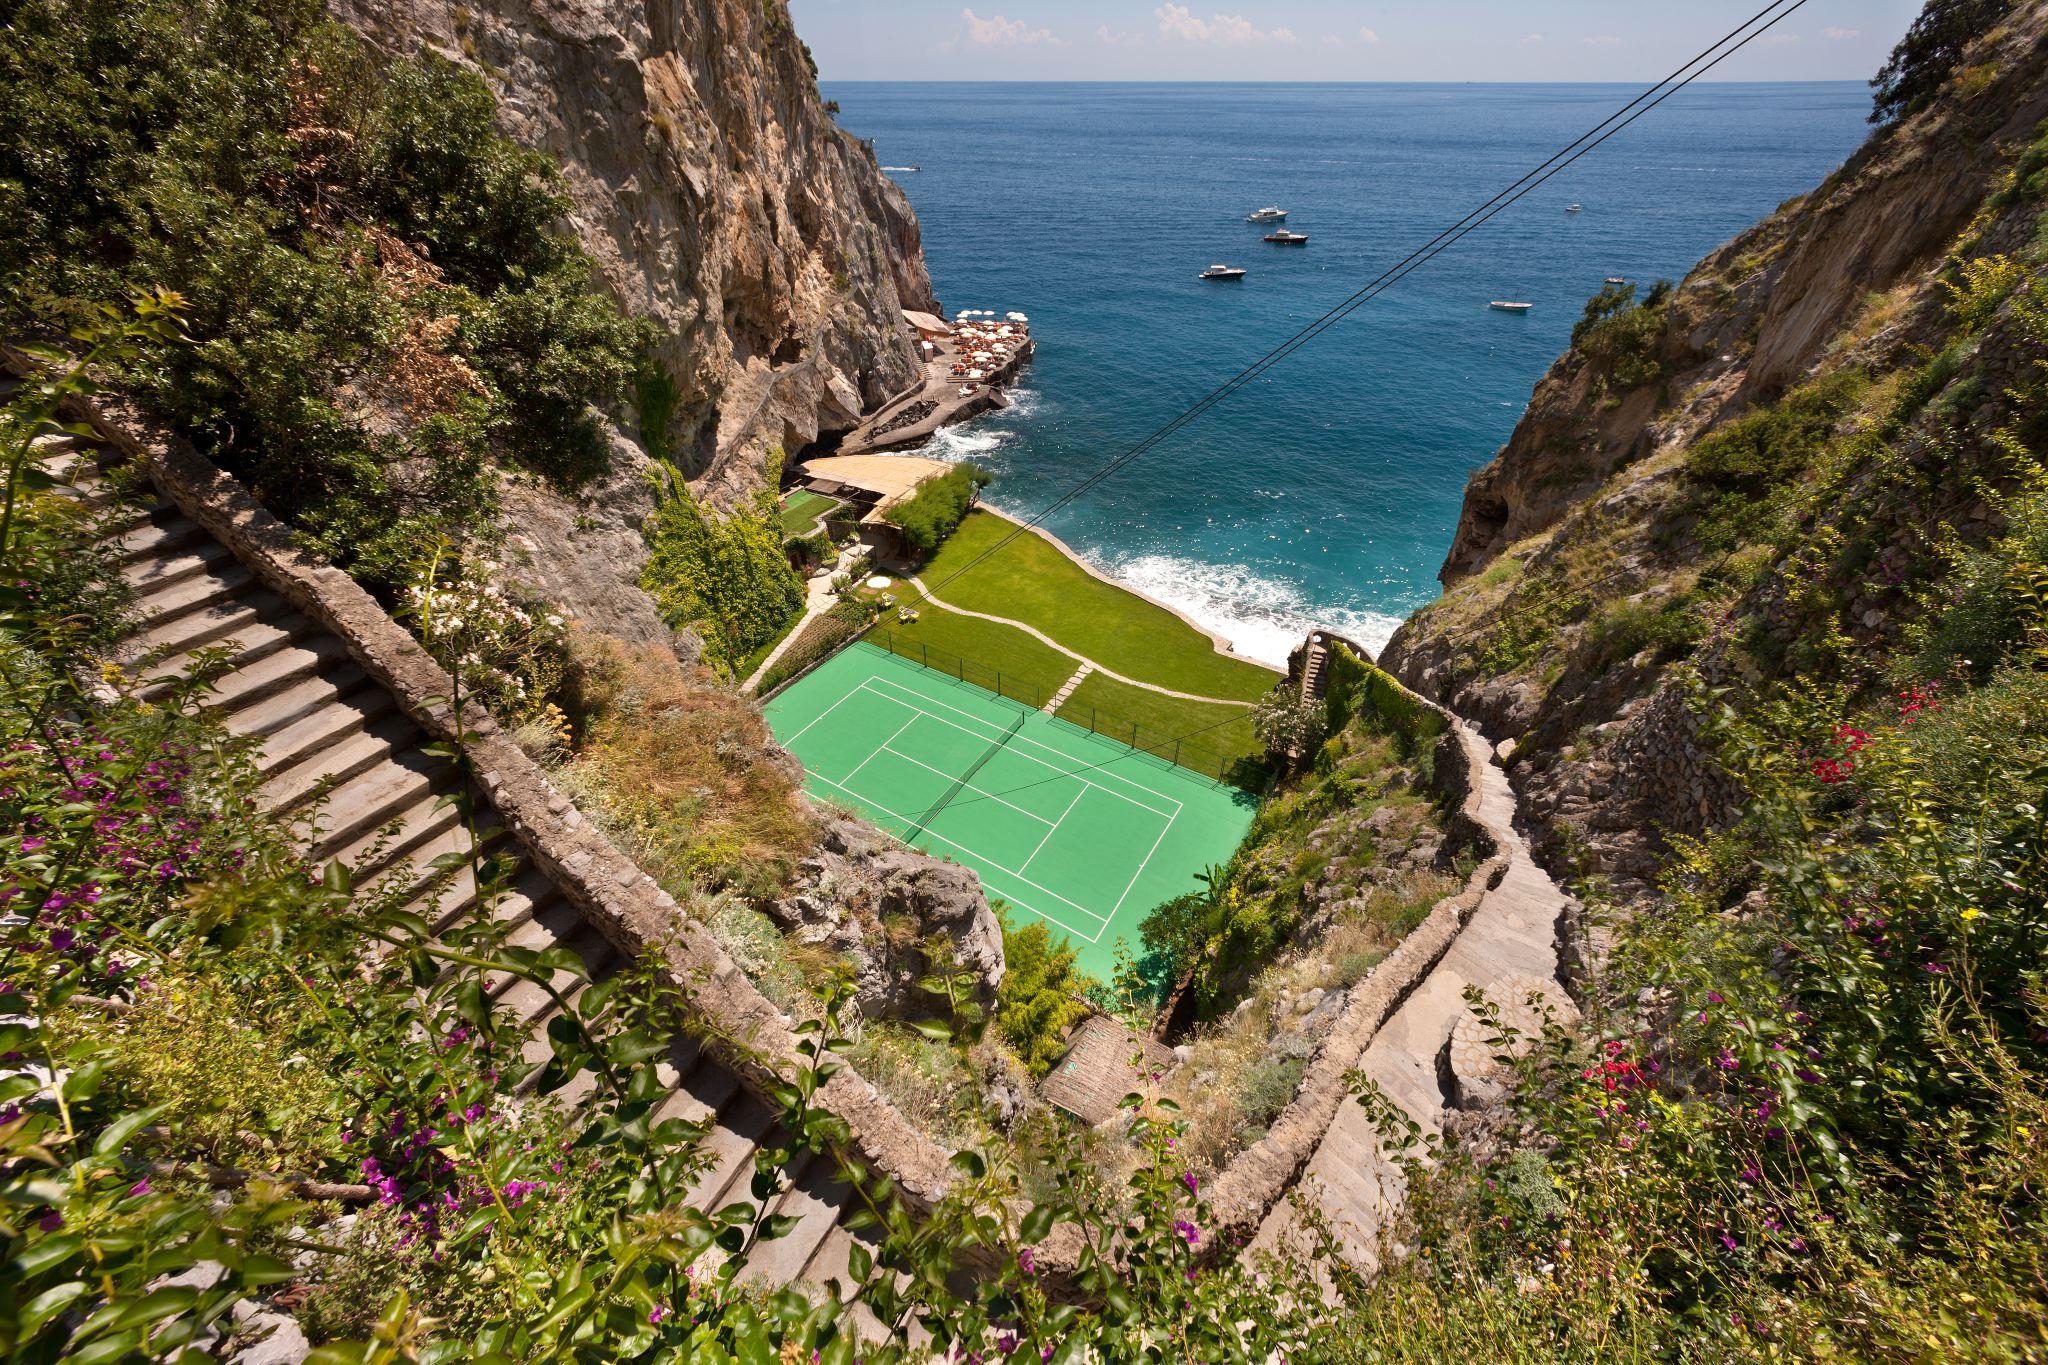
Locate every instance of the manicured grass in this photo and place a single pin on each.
(1031, 673)
(1161, 721)
(1031, 580)
(801, 510)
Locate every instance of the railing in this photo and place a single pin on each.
(1247, 770)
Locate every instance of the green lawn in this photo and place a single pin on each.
(1112, 707)
(1031, 673)
(1030, 580)
(801, 510)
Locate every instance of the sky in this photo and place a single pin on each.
(1336, 40)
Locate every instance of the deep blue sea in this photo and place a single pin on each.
(1328, 490)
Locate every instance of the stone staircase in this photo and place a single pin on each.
(1431, 1055)
(347, 769)
(1313, 666)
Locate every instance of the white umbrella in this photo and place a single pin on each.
(1016, 317)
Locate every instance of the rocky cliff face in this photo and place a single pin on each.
(1587, 567)
(721, 201)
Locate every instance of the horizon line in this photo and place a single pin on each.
(1165, 80)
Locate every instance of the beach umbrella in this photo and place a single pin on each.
(1017, 317)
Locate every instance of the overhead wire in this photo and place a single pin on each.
(1712, 56)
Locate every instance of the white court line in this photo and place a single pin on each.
(1095, 937)
(826, 712)
(883, 745)
(965, 786)
(1031, 758)
(1061, 821)
(1140, 872)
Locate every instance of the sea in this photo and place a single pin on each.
(1326, 491)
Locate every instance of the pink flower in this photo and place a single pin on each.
(139, 1188)
(1188, 1231)
(1194, 1185)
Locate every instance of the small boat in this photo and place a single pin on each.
(1573, 208)
(1285, 238)
(1617, 279)
(1268, 214)
(1221, 272)
(1510, 306)
(902, 168)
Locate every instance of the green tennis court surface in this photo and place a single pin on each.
(1088, 849)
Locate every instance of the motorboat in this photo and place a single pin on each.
(1573, 208)
(1269, 214)
(1285, 238)
(1616, 279)
(1510, 306)
(1222, 272)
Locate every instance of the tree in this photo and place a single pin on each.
(1042, 995)
(1289, 724)
(1928, 54)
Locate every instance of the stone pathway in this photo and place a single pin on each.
(1059, 698)
(818, 599)
(1035, 633)
(1508, 948)
(352, 775)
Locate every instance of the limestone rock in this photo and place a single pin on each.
(879, 904)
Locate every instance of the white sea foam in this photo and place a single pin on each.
(961, 443)
(1263, 618)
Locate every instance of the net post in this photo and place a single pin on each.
(924, 655)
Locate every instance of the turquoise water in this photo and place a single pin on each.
(1329, 489)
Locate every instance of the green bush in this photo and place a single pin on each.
(724, 577)
(1042, 995)
(1622, 335)
(378, 296)
(936, 510)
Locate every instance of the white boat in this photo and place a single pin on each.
(1222, 272)
(1617, 279)
(1269, 214)
(1573, 208)
(1510, 306)
(1285, 238)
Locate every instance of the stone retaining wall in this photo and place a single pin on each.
(1258, 1178)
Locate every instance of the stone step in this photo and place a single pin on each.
(245, 646)
(156, 571)
(183, 634)
(210, 588)
(365, 805)
(166, 536)
(302, 699)
(278, 671)
(330, 765)
(394, 841)
(330, 723)
(815, 1201)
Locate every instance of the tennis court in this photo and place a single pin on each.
(1065, 826)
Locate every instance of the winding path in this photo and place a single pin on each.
(1429, 1056)
(1035, 633)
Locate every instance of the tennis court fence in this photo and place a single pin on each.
(1234, 769)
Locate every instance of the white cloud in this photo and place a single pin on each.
(1531, 40)
(1366, 35)
(1330, 40)
(1001, 32)
(1178, 21)
(1601, 40)
(1106, 36)
(1838, 34)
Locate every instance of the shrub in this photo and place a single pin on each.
(724, 577)
(937, 508)
(379, 297)
(1622, 335)
(1289, 724)
(1042, 995)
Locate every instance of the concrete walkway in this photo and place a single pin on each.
(818, 599)
(1035, 633)
(1508, 948)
